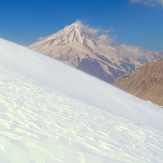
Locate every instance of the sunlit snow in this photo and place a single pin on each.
(52, 113)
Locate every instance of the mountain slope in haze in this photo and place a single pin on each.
(145, 83)
(82, 47)
(51, 112)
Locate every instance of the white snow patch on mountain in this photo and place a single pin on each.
(50, 112)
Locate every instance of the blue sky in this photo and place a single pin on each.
(134, 22)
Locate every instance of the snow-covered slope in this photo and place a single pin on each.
(81, 47)
(50, 112)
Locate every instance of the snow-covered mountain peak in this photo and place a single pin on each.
(77, 26)
(74, 25)
(83, 47)
(73, 33)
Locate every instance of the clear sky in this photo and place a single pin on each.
(134, 22)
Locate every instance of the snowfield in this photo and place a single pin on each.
(53, 113)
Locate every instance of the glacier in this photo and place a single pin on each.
(51, 112)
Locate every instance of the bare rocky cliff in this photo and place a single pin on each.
(145, 83)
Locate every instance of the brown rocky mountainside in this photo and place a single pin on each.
(87, 50)
(145, 83)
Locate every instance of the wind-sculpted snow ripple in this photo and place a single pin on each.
(39, 125)
(138, 101)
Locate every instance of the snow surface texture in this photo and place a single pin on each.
(52, 113)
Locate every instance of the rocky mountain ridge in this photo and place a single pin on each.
(145, 83)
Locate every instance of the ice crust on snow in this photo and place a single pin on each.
(51, 112)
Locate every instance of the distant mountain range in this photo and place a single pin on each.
(145, 83)
(82, 47)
